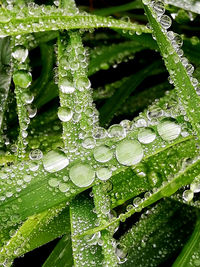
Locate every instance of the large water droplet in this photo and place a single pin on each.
(129, 152)
(102, 154)
(82, 83)
(55, 160)
(188, 195)
(65, 114)
(159, 8)
(82, 175)
(165, 21)
(104, 174)
(116, 130)
(35, 154)
(20, 53)
(22, 78)
(66, 86)
(88, 143)
(146, 136)
(169, 130)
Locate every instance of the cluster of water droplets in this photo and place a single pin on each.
(175, 39)
(188, 194)
(22, 79)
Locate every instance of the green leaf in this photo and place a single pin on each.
(113, 104)
(5, 73)
(116, 9)
(86, 251)
(178, 72)
(160, 232)
(36, 231)
(61, 254)
(189, 256)
(60, 21)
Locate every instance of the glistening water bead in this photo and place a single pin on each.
(103, 154)
(129, 152)
(104, 174)
(66, 86)
(165, 22)
(65, 114)
(82, 175)
(169, 130)
(22, 78)
(55, 160)
(146, 136)
(20, 53)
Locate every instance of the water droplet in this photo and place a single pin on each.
(55, 160)
(99, 133)
(104, 174)
(82, 83)
(82, 175)
(165, 21)
(88, 143)
(129, 152)
(117, 131)
(63, 187)
(169, 130)
(35, 154)
(146, 136)
(66, 86)
(188, 195)
(27, 97)
(159, 8)
(27, 178)
(53, 182)
(195, 187)
(102, 154)
(22, 78)
(65, 114)
(20, 53)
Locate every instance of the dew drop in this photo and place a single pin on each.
(117, 131)
(20, 53)
(146, 136)
(88, 143)
(35, 154)
(66, 86)
(169, 130)
(129, 152)
(65, 114)
(188, 195)
(195, 187)
(82, 175)
(63, 187)
(102, 154)
(165, 21)
(53, 182)
(82, 83)
(104, 174)
(22, 78)
(55, 160)
(159, 8)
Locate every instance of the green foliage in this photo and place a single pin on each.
(114, 193)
